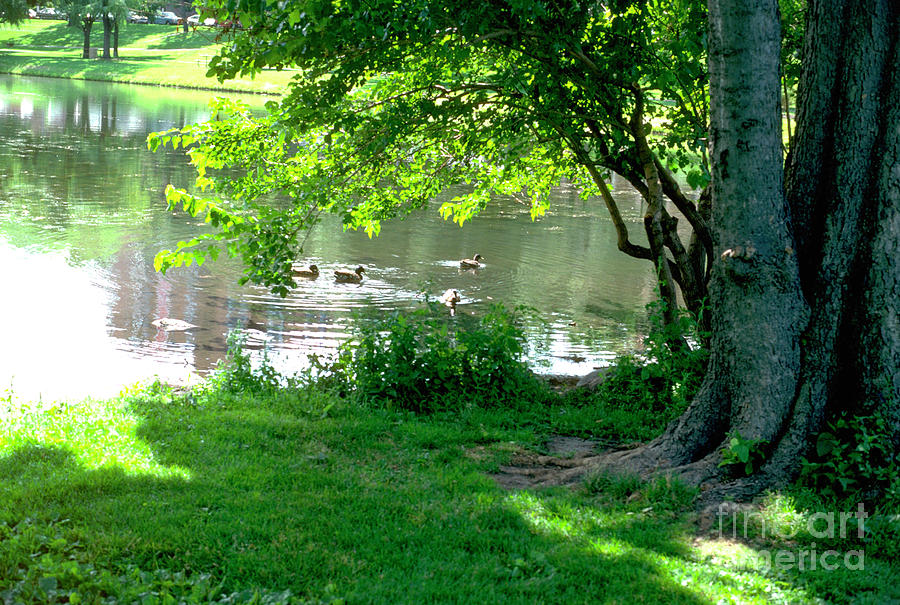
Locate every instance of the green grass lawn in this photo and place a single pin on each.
(216, 496)
(148, 54)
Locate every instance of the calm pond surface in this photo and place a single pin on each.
(82, 213)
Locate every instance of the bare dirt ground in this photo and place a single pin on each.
(566, 461)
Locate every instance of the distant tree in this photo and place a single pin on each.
(114, 12)
(186, 6)
(146, 8)
(83, 14)
(108, 20)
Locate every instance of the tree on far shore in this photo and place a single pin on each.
(83, 14)
(114, 13)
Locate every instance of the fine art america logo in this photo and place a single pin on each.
(821, 526)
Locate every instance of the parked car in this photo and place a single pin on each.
(49, 13)
(167, 18)
(136, 18)
(194, 21)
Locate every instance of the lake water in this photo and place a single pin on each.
(82, 213)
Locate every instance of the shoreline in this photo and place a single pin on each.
(229, 90)
(150, 55)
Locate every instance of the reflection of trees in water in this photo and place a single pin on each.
(77, 159)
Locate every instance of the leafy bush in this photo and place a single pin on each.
(664, 378)
(855, 457)
(743, 456)
(855, 462)
(424, 362)
(236, 373)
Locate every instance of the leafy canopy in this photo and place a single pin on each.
(13, 11)
(396, 101)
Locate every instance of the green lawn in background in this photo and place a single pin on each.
(148, 54)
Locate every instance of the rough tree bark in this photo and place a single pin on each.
(107, 32)
(805, 287)
(86, 24)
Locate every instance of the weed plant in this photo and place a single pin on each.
(855, 462)
(425, 362)
(647, 390)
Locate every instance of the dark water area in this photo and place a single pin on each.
(82, 214)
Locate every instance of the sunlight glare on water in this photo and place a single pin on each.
(68, 353)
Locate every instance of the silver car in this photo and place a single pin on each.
(166, 18)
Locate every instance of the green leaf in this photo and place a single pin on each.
(825, 444)
(48, 584)
(743, 451)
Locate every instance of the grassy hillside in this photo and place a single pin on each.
(148, 54)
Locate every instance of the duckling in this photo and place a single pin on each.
(310, 271)
(471, 263)
(349, 277)
(450, 298)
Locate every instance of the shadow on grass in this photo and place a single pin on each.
(278, 500)
(65, 67)
(162, 37)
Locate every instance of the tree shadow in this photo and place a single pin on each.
(60, 35)
(70, 66)
(277, 500)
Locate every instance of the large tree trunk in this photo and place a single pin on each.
(805, 290)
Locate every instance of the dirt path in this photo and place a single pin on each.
(566, 461)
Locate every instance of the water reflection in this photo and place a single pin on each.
(82, 213)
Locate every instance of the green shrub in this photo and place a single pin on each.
(855, 462)
(663, 379)
(425, 362)
(743, 456)
(237, 374)
(855, 458)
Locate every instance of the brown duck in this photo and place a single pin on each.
(310, 271)
(349, 277)
(471, 263)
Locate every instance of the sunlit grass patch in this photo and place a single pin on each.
(91, 435)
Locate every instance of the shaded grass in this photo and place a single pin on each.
(148, 54)
(297, 491)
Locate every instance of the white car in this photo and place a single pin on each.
(166, 18)
(194, 21)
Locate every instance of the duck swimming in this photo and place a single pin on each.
(172, 325)
(310, 271)
(349, 277)
(450, 298)
(471, 263)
